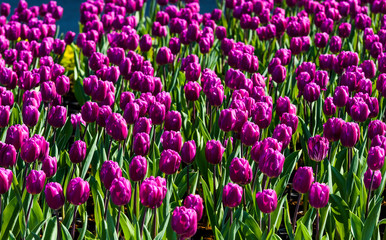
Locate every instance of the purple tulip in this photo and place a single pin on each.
(173, 121)
(54, 195)
(303, 179)
(266, 200)
(138, 168)
(240, 171)
(109, 171)
(317, 148)
(35, 182)
(214, 151)
(376, 158)
(169, 161)
(152, 192)
(157, 113)
(249, 133)
(120, 191)
(78, 151)
(283, 134)
(376, 181)
(57, 116)
(184, 222)
(6, 177)
(7, 155)
(116, 127)
(350, 134)
(376, 127)
(78, 191)
(271, 163)
(232, 195)
(141, 144)
(329, 107)
(318, 195)
(49, 166)
(195, 202)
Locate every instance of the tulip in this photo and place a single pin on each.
(376, 180)
(152, 192)
(266, 200)
(116, 127)
(329, 107)
(138, 168)
(35, 182)
(131, 113)
(120, 191)
(283, 105)
(262, 114)
(249, 133)
(157, 112)
(283, 134)
(214, 151)
(145, 43)
(227, 120)
(195, 202)
(318, 195)
(375, 128)
(141, 144)
(291, 120)
(30, 150)
(4, 116)
(6, 177)
(317, 148)
(7, 155)
(271, 163)
(232, 195)
(240, 171)
(350, 134)
(78, 152)
(90, 112)
(57, 116)
(376, 158)
(169, 161)
(142, 125)
(54, 195)
(164, 56)
(192, 91)
(184, 222)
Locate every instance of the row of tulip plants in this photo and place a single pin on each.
(260, 120)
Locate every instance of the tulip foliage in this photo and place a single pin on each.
(260, 120)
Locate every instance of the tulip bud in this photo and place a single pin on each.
(329, 107)
(78, 191)
(131, 113)
(120, 191)
(376, 127)
(116, 127)
(376, 181)
(303, 179)
(192, 91)
(283, 134)
(152, 192)
(30, 150)
(376, 158)
(57, 116)
(283, 105)
(227, 120)
(240, 171)
(266, 200)
(184, 222)
(7, 155)
(54, 195)
(145, 43)
(188, 152)
(333, 128)
(318, 195)
(90, 112)
(350, 134)
(78, 152)
(169, 161)
(311, 92)
(271, 163)
(279, 74)
(6, 177)
(195, 202)
(49, 166)
(232, 195)
(164, 56)
(138, 168)
(30, 115)
(109, 171)
(249, 133)
(157, 112)
(48, 90)
(214, 151)
(173, 121)
(141, 144)
(35, 182)
(317, 148)
(142, 125)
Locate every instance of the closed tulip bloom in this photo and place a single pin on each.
(335, 44)
(30, 115)
(6, 177)
(145, 43)
(195, 202)
(109, 171)
(35, 181)
(188, 152)
(266, 200)
(283, 105)
(164, 56)
(57, 116)
(125, 98)
(172, 140)
(296, 45)
(318, 195)
(157, 113)
(311, 92)
(49, 166)
(78, 191)
(317, 148)
(16, 134)
(169, 161)
(116, 55)
(227, 120)
(48, 90)
(54, 195)
(303, 179)
(369, 68)
(262, 114)
(7, 155)
(193, 71)
(240, 171)
(116, 127)
(359, 111)
(141, 144)
(329, 107)
(173, 121)
(62, 85)
(350, 134)
(214, 151)
(376, 158)
(131, 113)
(375, 128)
(341, 96)
(376, 181)
(152, 192)
(30, 150)
(90, 111)
(192, 91)
(291, 120)
(103, 113)
(283, 134)
(78, 151)
(232, 195)
(138, 168)
(97, 61)
(221, 33)
(321, 39)
(279, 74)
(120, 191)
(175, 45)
(249, 133)
(271, 163)
(184, 222)
(4, 116)
(332, 128)
(142, 125)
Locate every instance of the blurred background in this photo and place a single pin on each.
(71, 14)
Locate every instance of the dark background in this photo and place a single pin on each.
(71, 13)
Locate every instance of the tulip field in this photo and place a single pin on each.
(262, 119)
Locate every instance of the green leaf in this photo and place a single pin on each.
(341, 214)
(8, 217)
(356, 226)
(51, 231)
(90, 154)
(371, 220)
(302, 232)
